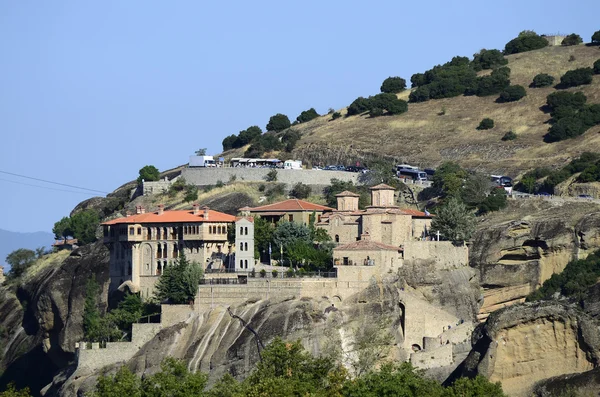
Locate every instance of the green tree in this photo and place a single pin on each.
(62, 228)
(488, 59)
(290, 138)
(476, 188)
(358, 106)
(84, 225)
(191, 193)
(529, 184)
(421, 94)
(179, 282)
(393, 85)
(230, 142)
(542, 80)
(596, 37)
(91, 314)
(454, 221)
(526, 41)
(572, 39)
(227, 386)
(287, 233)
(249, 135)
(597, 67)
(300, 191)
(20, 260)
(576, 77)
(476, 387)
(263, 236)
(449, 178)
(335, 115)
(307, 115)
(495, 83)
(509, 136)
(566, 99)
(486, 124)
(12, 391)
(271, 176)
(278, 122)
(201, 152)
(148, 173)
(495, 201)
(418, 80)
(123, 383)
(174, 379)
(512, 93)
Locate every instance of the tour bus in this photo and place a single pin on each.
(416, 175)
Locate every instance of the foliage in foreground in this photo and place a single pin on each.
(287, 369)
(454, 221)
(81, 226)
(179, 281)
(571, 115)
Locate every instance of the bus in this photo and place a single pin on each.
(415, 175)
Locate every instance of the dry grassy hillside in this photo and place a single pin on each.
(425, 137)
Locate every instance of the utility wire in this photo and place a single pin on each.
(55, 183)
(46, 187)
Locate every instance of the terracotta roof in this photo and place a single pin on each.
(416, 213)
(382, 186)
(347, 193)
(173, 217)
(291, 205)
(366, 245)
(248, 218)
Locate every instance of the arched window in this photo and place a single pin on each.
(246, 231)
(245, 246)
(241, 230)
(337, 238)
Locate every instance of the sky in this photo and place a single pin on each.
(90, 92)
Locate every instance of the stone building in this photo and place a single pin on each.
(292, 210)
(244, 243)
(142, 245)
(382, 221)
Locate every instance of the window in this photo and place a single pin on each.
(129, 266)
(139, 230)
(214, 230)
(241, 230)
(246, 231)
(291, 217)
(131, 231)
(245, 246)
(337, 238)
(346, 262)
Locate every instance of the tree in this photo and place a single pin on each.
(486, 124)
(230, 142)
(20, 260)
(542, 80)
(568, 99)
(12, 391)
(512, 93)
(179, 282)
(475, 387)
(191, 193)
(249, 135)
(421, 94)
(307, 115)
(576, 77)
(290, 138)
(287, 233)
(300, 191)
(454, 221)
(597, 67)
(263, 236)
(449, 178)
(495, 83)
(488, 59)
(418, 80)
(526, 41)
(123, 383)
(572, 39)
(62, 228)
(174, 379)
(271, 176)
(596, 37)
(278, 122)
(476, 188)
(393, 85)
(358, 106)
(335, 115)
(509, 136)
(84, 225)
(336, 187)
(495, 201)
(91, 314)
(201, 152)
(529, 184)
(148, 173)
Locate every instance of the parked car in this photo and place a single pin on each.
(355, 168)
(585, 196)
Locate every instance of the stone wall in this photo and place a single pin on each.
(444, 254)
(314, 178)
(439, 357)
(156, 187)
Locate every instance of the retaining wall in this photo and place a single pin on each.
(313, 178)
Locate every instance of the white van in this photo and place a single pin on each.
(292, 165)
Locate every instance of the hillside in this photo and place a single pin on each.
(10, 241)
(426, 137)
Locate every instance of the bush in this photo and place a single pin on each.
(263, 273)
(219, 184)
(421, 94)
(492, 84)
(289, 139)
(19, 260)
(542, 80)
(560, 99)
(597, 67)
(486, 124)
(271, 176)
(149, 173)
(418, 80)
(444, 81)
(512, 93)
(179, 281)
(567, 127)
(360, 105)
(278, 189)
(494, 202)
(393, 85)
(191, 193)
(526, 41)
(307, 115)
(596, 37)
(509, 136)
(278, 122)
(576, 77)
(572, 39)
(376, 112)
(274, 273)
(488, 59)
(335, 115)
(300, 191)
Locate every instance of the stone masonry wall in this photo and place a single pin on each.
(315, 178)
(444, 254)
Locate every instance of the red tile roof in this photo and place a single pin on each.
(367, 245)
(291, 205)
(173, 217)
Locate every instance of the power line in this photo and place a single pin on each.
(46, 187)
(55, 183)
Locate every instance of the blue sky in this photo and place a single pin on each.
(92, 91)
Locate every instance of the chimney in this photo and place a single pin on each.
(137, 209)
(142, 210)
(196, 209)
(365, 236)
(161, 209)
(205, 208)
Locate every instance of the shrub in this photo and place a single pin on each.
(597, 67)
(526, 41)
(191, 193)
(572, 39)
(493, 84)
(263, 273)
(567, 127)
(275, 190)
(596, 37)
(494, 202)
(290, 138)
(417, 80)
(509, 136)
(148, 173)
(300, 191)
(488, 59)
(512, 93)
(335, 115)
(307, 115)
(444, 81)
(421, 94)
(274, 273)
(572, 58)
(261, 187)
(393, 85)
(219, 184)
(278, 122)
(248, 135)
(230, 142)
(360, 105)
(271, 176)
(376, 112)
(565, 99)
(486, 124)
(542, 80)
(576, 77)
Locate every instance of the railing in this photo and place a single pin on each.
(267, 274)
(150, 318)
(222, 281)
